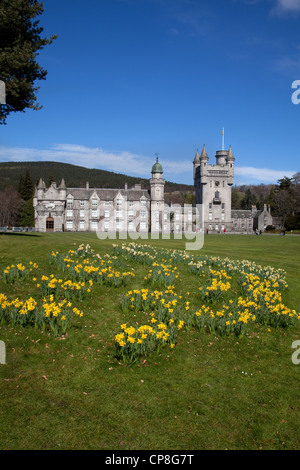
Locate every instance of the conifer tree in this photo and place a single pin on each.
(26, 186)
(20, 42)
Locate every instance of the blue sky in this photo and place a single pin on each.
(131, 78)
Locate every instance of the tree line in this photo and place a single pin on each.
(16, 205)
(283, 199)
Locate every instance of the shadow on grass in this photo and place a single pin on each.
(20, 234)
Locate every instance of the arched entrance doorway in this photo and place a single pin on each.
(49, 224)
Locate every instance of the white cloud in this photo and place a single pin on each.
(291, 5)
(247, 175)
(123, 162)
(283, 7)
(131, 164)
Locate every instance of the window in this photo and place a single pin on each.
(130, 203)
(177, 216)
(157, 225)
(69, 213)
(106, 225)
(143, 225)
(106, 203)
(143, 214)
(69, 202)
(118, 225)
(210, 205)
(94, 213)
(81, 224)
(143, 202)
(94, 202)
(69, 224)
(210, 216)
(222, 216)
(130, 226)
(217, 227)
(81, 203)
(223, 205)
(81, 213)
(94, 225)
(119, 202)
(118, 213)
(131, 213)
(106, 213)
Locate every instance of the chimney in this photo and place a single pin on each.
(87, 185)
(126, 186)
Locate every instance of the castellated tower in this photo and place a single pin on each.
(213, 188)
(157, 184)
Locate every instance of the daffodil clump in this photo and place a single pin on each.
(59, 288)
(135, 342)
(16, 272)
(215, 287)
(162, 275)
(48, 314)
(85, 265)
(164, 302)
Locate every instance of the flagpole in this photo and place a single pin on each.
(223, 146)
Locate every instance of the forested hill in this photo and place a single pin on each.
(74, 176)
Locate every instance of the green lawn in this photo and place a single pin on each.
(209, 392)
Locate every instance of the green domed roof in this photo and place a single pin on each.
(157, 168)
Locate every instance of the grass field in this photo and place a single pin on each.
(208, 392)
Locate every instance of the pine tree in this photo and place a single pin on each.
(27, 216)
(26, 186)
(50, 180)
(20, 42)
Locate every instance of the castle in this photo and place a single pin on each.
(59, 209)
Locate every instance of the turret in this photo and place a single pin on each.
(204, 156)
(157, 182)
(40, 188)
(230, 158)
(63, 188)
(221, 156)
(157, 170)
(196, 163)
(157, 185)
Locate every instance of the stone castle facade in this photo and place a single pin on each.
(58, 208)
(213, 183)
